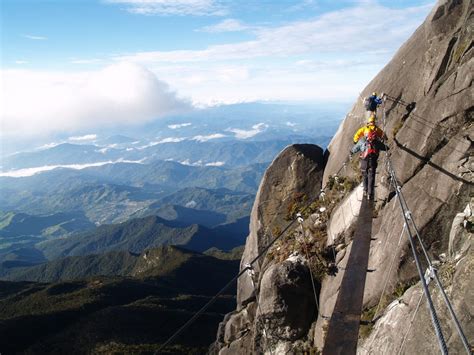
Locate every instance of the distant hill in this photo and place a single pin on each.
(14, 224)
(188, 216)
(234, 254)
(113, 193)
(231, 152)
(232, 204)
(152, 262)
(137, 235)
(19, 232)
(117, 314)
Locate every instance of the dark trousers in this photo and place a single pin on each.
(368, 167)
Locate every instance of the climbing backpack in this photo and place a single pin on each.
(371, 145)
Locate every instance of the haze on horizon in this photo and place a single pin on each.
(78, 65)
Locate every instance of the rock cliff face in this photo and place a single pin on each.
(429, 123)
(429, 116)
(281, 289)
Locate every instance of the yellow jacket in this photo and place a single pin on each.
(364, 132)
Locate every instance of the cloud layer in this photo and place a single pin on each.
(35, 103)
(41, 169)
(328, 57)
(35, 38)
(366, 27)
(172, 7)
(245, 134)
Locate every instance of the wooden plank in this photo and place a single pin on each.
(343, 330)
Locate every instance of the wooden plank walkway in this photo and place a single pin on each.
(343, 330)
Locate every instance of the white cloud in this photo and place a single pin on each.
(291, 124)
(49, 145)
(41, 169)
(86, 61)
(347, 30)
(179, 125)
(191, 204)
(35, 38)
(209, 137)
(87, 137)
(171, 140)
(103, 150)
(245, 134)
(227, 25)
(38, 103)
(328, 57)
(216, 163)
(20, 62)
(187, 162)
(165, 140)
(173, 7)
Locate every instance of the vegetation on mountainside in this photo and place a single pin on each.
(137, 235)
(152, 262)
(310, 241)
(112, 194)
(13, 224)
(234, 254)
(19, 232)
(368, 316)
(28, 239)
(233, 204)
(130, 314)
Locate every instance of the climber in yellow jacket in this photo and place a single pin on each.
(369, 141)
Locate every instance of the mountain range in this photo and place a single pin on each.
(158, 291)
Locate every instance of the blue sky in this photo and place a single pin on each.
(93, 62)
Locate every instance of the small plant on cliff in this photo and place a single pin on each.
(298, 200)
(317, 214)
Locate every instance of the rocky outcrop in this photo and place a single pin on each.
(434, 71)
(429, 116)
(276, 306)
(405, 326)
(429, 123)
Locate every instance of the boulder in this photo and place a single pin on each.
(282, 186)
(293, 178)
(287, 305)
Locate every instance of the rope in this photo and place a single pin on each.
(405, 214)
(434, 317)
(445, 297)
(411, 323)
(422, 121)
(243, 271)
(433, 270)
(305, 247)
(440, 286)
